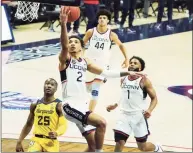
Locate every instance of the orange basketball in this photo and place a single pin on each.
(74, 13)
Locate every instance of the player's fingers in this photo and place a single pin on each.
(62, 10)
(68, 12)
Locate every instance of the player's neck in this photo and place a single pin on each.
(76, 55)
(48, 99)
(102, 29)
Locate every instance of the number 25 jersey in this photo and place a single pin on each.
(99, 45)
(46, 118)
(73, 79)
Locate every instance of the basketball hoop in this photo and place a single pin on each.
(27, 10)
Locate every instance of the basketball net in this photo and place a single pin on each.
(27, 10)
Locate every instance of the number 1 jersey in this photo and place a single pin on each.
(133, 97)
(73, 79)
(99, 45)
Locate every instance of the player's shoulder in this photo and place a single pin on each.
(90, 31)
(87, 60)
(57, 100)
(34, 104)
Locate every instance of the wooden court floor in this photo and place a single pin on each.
(8, 145)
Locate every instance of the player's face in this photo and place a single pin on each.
(74, 45)
(134, 65)
(103, 20)
(50, 87)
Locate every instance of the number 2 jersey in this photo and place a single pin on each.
(46, 118)
(99, 46)
(73, 79)
(133, 97)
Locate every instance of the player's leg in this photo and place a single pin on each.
(100, 124)
(141, 133)
(95, 87)
(89, 133)
(34, 145)
(122, 131)
(95, 90)
(120, 139)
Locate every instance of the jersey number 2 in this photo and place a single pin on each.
(80, 76)
(98, 45)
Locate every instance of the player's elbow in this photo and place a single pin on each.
(154, 100)
(29, 124)
(121, 46)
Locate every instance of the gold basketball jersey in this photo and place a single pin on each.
(45, 117)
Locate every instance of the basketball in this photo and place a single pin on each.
(74, 13)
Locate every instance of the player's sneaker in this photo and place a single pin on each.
(159, 148)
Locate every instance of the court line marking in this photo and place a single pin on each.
(186, 148)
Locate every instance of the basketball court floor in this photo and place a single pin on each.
(168, 65)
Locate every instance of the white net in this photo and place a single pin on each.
(27, 10)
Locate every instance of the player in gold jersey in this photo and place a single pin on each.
(48, 120)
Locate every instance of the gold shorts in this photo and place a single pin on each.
(43, 145)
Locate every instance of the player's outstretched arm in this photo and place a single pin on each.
(87, 36)
(117, 41)
(64, 54)
(62, 123)
(106, 73)
(152, 94)
(26, 129)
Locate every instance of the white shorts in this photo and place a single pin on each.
(132, 122)
(76, 111)
(90, 76)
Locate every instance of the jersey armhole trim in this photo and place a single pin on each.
(123, 79)
(67, 64)
(140, 82)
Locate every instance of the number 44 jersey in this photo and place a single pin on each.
(73, 79)
(99, 45)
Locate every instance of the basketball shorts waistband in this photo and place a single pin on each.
(43, 136)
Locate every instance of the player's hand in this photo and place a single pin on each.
(19, 147)
(147, 113)
(52, 135)
(111, 107)
(125, 63)
(64, 14)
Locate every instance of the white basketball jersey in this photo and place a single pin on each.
(99, 47)
(73, 79)
(132, 95)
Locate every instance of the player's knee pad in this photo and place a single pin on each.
(119, 136)
(95, 91)
(95, 94)
(142, 139)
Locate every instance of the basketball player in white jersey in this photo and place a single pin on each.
(73, 72)
(100, 40)
(133, 113)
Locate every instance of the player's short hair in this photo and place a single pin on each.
(104, 12)
(79, 38)
(52, 79)
(141, 61)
